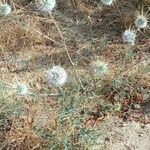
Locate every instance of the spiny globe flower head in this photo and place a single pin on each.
(20, 89)
(5, 9)
(46, 5)
(141, 20)
(99, 67)
(57, 76)
(129, 36)
(107, 2)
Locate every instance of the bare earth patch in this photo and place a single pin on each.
(126, 136)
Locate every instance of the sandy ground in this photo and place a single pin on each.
(125, 136)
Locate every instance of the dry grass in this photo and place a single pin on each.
(30, 44)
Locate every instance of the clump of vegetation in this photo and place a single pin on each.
(141, 21)
(107, 2)
(66, 108)
(5, 9)
(46, 5)
(99, 67)
(20, 89)
(57, 76)
(129, 36)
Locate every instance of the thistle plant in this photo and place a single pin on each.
(20, 89)
(46, 5)
(141, 21)
(57, 76)
(99, 67)
(129, 36)
(5, 9)
(107, 2)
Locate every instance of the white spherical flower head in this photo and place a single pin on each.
(57, 76)
(99, 67)
(141, 21)
(107, 2)
(129, 36)
(5, 9)
(46, 5)
(20, 89)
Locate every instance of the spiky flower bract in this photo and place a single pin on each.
(107, 2)
(129, 36)
(141, 21)
(99, 67)
(5, 9)
(46, 5)
(20, 89)
(57, 76)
